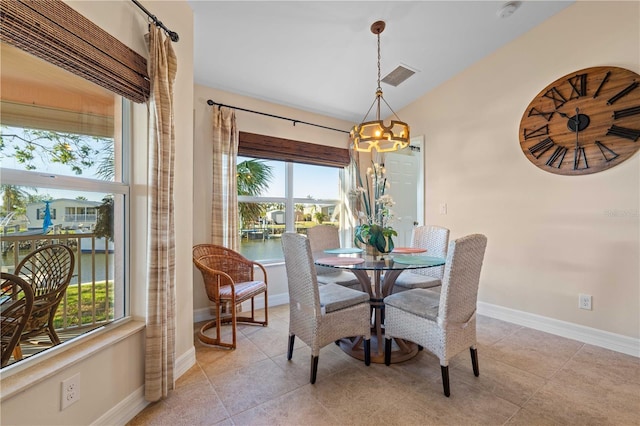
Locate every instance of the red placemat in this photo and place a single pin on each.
(340, 260)
(408, 250)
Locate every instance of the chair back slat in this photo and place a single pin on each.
(48, 270)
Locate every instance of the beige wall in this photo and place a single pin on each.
(116, 372)
(550, 237)
(253, 123)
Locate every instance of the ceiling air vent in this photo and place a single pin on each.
(398, 75)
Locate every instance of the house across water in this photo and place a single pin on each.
(78, 216)
(66, 214)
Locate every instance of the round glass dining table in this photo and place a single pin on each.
(377, 276)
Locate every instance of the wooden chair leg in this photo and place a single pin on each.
(218, 322)
(266, 310)
(445, 379)
(314, 368)
(233, 324)
(17, 352)
(387, 351)
(292, 339)
(367, 352)
(474, 361)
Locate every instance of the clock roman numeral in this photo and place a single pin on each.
(624, 132)
(604, 80)
(580, 159)
(547, 115)
(607, 152)
(556, 97)
(558, 155)
(623, 92)
(578, 86)
(540, 131)
(541, 147)
(626, 112)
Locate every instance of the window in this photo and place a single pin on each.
(64, 150)
(286, 196)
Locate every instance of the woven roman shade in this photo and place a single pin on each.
(272, 148)
(55, 32)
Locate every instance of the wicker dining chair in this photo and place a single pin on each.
(48, 270)
(443, 323)
(323, 237)
(320, 315)
(435, 240)
(16, 304)
(229, 281)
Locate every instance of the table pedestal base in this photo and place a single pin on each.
(401, 350)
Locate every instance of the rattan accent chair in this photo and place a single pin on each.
(16, 304)
(320, 315)
(323, 237)
(444, 323)
(229, 281)
(435, 240)
(48, 270)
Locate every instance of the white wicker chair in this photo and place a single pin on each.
(321, 315)
(323, 237)
(435, 240)
(443, 323)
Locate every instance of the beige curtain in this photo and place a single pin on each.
(160, 331)
(224, 203)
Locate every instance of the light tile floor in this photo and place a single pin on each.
(527, 377)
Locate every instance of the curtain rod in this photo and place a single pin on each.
(210, 102)
(172, 34)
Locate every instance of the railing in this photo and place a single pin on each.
(89, 300)
(82, 217)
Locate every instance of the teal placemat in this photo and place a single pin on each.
(346, 250)
(418, 260)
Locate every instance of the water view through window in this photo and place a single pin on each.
(268, 206)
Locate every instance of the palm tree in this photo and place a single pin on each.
(13, 198)
(252, 178)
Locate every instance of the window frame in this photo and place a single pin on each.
(30, 178)
(290, 201)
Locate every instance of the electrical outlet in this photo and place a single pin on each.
(584, 301)
(443, 208)
(70, 391)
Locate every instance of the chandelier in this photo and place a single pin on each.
(370, 135)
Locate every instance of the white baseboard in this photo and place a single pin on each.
(592, 336)
(184, 363)
(204, 314)
(125, 410)
(133, 404)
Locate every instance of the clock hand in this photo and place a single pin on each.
(577, 128)
(575, 152)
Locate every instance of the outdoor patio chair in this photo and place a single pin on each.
(48, 270)
(16, 304)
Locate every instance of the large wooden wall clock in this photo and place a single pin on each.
(584, 122)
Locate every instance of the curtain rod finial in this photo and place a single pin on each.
(210, 102)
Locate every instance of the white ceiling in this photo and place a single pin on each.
(321, 56)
